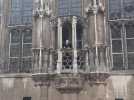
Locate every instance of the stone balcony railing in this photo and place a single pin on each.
(16, 66)
(67, 63)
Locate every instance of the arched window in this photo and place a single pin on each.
(20, 50)
(15, 43)
(20, 45)
(67, 34)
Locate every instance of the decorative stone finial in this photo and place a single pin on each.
(42, 9)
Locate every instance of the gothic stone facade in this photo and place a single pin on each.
(71, 55)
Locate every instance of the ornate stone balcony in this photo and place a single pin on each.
(67, 63)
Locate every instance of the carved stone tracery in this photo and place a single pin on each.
(69, 83)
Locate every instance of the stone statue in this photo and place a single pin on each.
(42, 8)
(42, 34)
(95, 16)
(42, 15)
(96, 32)
(67, 44)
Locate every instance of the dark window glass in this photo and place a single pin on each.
(15, 18)
(130, 45)
(114, 9)
(15, 36)
(130, 30)
(119, 99)
(27, 50)
(117, 46)
(27, 36)
(130, 61)
(118, 62)
(26, 65)
(69, 7)
(122, 36)
(121, 9)
(21, 12)
(15, 50)
(27, 98)
(14, 65)
(67, 35)
(128, 8)
(79, 35)
(115, 30)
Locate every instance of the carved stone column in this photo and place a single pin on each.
(42, 34)
(59, 62)
(97, 34)
(87, 61)
(35, 59)
(50, 69)
(74, 43)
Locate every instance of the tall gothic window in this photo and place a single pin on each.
(20, 50)
(21, 12)
(69, 7)
(121, 13)
(67, 34)
(20, 45)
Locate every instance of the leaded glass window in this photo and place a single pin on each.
(121, 9)
(20, 45)
(1, 5)
(20, 50)
(21, 12)
(117, 48)
(114, 9)
(128, 6)
(69, 7)
(122, 33)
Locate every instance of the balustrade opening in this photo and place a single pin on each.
(71, 56)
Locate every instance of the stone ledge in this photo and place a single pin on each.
(16, 75)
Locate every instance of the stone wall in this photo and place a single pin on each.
(15, 87)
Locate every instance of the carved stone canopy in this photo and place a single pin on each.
(42, 79)
(91, 9)
(97, 77)
(68, 83)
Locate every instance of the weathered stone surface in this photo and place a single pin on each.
(14, 87)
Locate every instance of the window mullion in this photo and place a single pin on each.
(124, 47)
(111, 47)
(20, 57)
